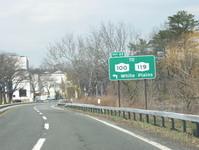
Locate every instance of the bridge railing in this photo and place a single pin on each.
(130, 113)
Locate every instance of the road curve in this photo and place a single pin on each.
(44, 127)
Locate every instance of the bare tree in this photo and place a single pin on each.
(11, 74)
(100, 43)
(181, 64)
(85, 60)
(47, 82)
(34, 80)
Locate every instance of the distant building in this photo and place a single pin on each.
(23, 62)
(23, 89)
(50, 84)
(47, 85)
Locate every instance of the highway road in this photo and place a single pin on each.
(45, 127)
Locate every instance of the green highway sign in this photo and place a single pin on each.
(117, 54)
(129, 68)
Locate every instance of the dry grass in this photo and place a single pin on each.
(109, 101)
(104, 101)
(166, 105)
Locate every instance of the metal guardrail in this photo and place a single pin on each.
(2, 107)
(128, 112)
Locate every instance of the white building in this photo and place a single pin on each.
(46, 85)
(49, 84)
(23, 62)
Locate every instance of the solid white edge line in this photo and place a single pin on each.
(44, 118)
(160, 146)
(46, 126)
(132, 134)
(39, 144)
(56, 107)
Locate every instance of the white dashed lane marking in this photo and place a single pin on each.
(36, 109)
(39, 144)
(46, 126)
(44, 118)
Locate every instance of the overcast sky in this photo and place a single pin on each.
(28, 26)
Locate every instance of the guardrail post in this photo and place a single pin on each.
(197, 129)
(147, 118)
(124, 114)
(163, 122)
(119, 113)
(129, 115)
(154, 120)
(184, 125)
(172, 124)
(140, 117)
(134, 116)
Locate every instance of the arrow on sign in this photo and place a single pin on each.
(115, 76)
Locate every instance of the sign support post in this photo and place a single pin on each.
(145, 91)
(119, 93)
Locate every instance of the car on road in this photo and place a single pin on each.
(64, 101)
(17, 101)
(39, 101)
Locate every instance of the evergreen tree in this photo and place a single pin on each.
(177, 25)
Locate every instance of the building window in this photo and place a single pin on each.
(22, 93)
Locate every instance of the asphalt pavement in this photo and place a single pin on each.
(45, 127)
